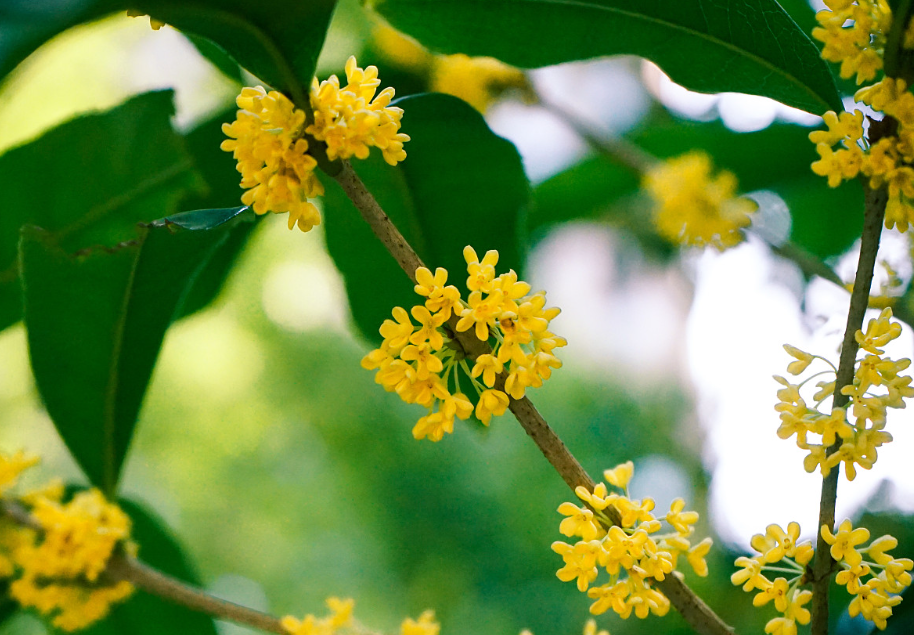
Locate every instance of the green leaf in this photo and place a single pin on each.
(825, 221)
(276, 40)
(746, 46)
(95, 324)
(459, 185)
(145, 614)
(90, 180)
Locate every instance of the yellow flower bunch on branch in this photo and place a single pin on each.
(632, 553)
(878, 385)
(56, 567)
(420, 363)
(695, 207)
(268, 140)
(889, 162)
(341, 622)
(780, 553)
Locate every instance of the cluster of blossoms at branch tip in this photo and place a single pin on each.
(874, 593)
(621, 536)
(57, 570)
(422, 363)
(694, 207)
(890, 161)
(341, 622)
(858, 442)
(268, 140)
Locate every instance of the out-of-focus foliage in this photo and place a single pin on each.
(286, 473)
(277, 40)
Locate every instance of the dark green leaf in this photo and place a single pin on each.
(460, 185)
(216, 165)
(145, 614)
(27, 24)
(90, 180)
(95, 325)
(747, 46)
(276, 40)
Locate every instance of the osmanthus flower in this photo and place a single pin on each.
(695, 207)
(423, 364)
(268, 139)
(479, 81)
(350, 119)
(854, 34)
(590, 628)
(58, 569)
(874, 596)
(340, 618)
(850, 435)
(634, 554)
(779, 553)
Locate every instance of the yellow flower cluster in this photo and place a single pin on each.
(858, 47)
(694, 207)
(276, 170)
(890, 161)
(267, 140)
(590, 628)
(633, 548)
(57, 569)
(420, 363)
(778, 547)
(351, 119)
(858, 442)
(872, 597)
(479, 81)
(341, 622)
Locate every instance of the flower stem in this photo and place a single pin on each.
(874, 213)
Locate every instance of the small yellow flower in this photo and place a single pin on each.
(425, 625)
(844, 542)
(620, 475)
(694, 206)
(580, 522)
(491, 402)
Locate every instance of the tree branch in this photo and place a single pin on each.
(689, 605)
(142, 576)
(874, 214)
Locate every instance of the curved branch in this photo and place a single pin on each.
(689, 605)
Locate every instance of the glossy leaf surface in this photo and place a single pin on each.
(95, 326)
(747, 46)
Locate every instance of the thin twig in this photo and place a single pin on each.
(618, 149)
(874, 214)
(689, 605)
(142, 576)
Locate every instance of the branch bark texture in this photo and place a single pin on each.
(874, 214)
(690, 606)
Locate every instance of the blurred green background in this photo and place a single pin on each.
(288, 476)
